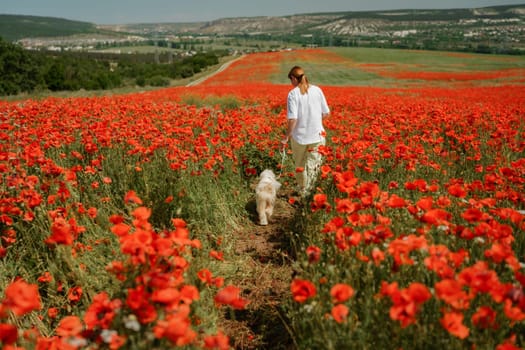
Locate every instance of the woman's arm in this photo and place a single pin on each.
(289, 129)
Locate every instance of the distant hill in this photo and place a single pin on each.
(15, 27)
(338, 22)
(494, 29)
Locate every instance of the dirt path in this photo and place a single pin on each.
(206, 77)
(265, 278)
(266, 281)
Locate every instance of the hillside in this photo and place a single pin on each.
(15, 27)
(338, 22)
(487, 29)
(496, 29)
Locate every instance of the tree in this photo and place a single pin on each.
(54, 77)
(18, 70)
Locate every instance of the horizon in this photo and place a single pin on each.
(165, 11)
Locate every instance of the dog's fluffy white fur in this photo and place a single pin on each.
(265, 194)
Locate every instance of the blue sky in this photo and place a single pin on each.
(135, 11)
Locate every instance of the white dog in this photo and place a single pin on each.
(265, 194)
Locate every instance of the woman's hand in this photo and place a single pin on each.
(284, 141)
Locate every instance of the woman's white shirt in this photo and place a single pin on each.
(308, 109)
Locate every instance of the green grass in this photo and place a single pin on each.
(227, 102)
(338, 75)
(437, 61)
(358, 66)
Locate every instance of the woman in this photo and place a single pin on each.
(306, 108)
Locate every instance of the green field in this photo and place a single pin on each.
(361, 66)
(432, 60)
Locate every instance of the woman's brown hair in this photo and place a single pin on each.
(298, 73)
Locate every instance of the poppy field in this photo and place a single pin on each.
(118, 213)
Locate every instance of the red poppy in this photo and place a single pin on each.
(513, 313)
(457, 190)
(302, 290)
(69, 326)
(217, 255)
(339, 313)
(138, 301)
(21, 297)
(396, 202)
(141, 215)
(189, 293)
(206, 276)
(377, 255)
(406, 302)
(401, 248)
(61, 233)
(474, 214)
(345, 181)
(230, 295)
(436, 217)
(425, 203)
(74, 294)
(453, 323)
(101, 312)
(345, 205)
(52, 312)
(131, 197)
(451, 291)
(443, 201)
(121, 229)
(509, 344)
(485, 317)
(218, 342)
(46, 277)
(116, 219)
(341, 292)
(320, 201)
(176, 328)
(378, 234)
(92, 212)
(166, 296)
(8, 333)
(325, 170)
(333, 224)
(480, 278)
(313, 253)
(499, 252)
